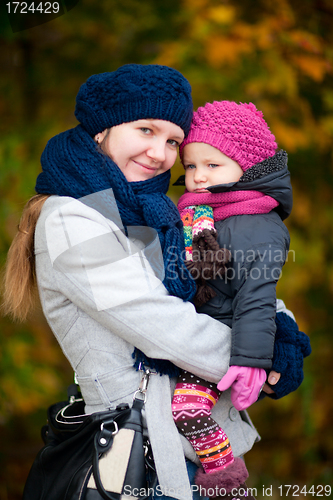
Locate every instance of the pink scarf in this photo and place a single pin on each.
(229, 203)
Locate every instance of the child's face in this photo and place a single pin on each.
(206, 166)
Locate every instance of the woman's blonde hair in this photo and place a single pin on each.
(20, 276)
(19, 283)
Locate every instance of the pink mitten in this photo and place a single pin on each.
(246, 384)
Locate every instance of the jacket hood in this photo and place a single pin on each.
(270, 177)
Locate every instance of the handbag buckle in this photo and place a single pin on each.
(115, 428)
(142, 390)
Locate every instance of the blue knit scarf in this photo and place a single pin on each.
(73, 166)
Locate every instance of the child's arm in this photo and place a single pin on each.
(259, 246)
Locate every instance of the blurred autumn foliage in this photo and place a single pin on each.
(278, 55)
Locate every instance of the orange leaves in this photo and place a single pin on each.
(195, 4)
(307, 42)
(307, 54)
(288, 136)
(264, 57)
(226, 50)
(312, 66)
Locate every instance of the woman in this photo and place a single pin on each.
(103, 284)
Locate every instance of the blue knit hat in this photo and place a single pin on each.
(134, 92)
(290, 348)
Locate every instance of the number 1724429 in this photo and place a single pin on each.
(32, 7)
(297, 491)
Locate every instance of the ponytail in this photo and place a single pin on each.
(20, 275)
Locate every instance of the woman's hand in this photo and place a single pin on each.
(273, 379)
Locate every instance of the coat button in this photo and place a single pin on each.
(233, 413)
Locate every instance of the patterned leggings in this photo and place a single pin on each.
(191, 408)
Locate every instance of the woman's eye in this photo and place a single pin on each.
(173, 142)
(145, 130)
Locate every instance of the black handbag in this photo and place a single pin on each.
(91, 457)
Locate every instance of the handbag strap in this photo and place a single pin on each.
(104, 438)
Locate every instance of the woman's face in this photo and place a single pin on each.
(142, 149)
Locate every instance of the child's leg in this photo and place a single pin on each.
(191, 408)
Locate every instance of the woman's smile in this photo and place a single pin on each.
(145, 167)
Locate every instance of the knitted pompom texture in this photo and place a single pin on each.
(237, 130)
(134, 92)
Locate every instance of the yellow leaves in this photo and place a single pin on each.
(294, 125)
(302, 209)
(49, 379)
(20, 353)
(327, 96)
(25, 396)
(221, 14)
(327, 124)
(320, 416)
(275, 78)
(18, 397)
(205, 20)
(29, 369)
(307, 265)
(171, 54)
(27, 391)
(295, 282)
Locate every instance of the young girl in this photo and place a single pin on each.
(237, 194)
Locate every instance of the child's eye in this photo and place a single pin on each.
(190, 166)
(145, 130)
(213, 165)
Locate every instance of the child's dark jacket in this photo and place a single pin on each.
(259, 245)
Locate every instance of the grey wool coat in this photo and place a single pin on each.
(102, 294)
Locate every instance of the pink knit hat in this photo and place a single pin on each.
(237, 130)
